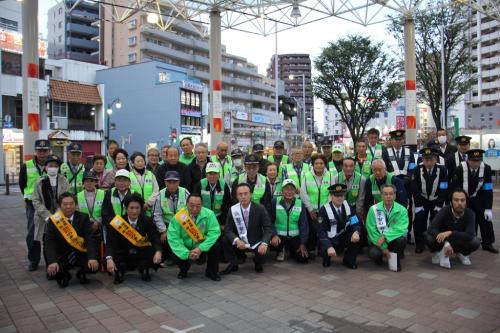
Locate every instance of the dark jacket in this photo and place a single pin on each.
(56, 247)
(181, 168)
(197, 173)
(401, 195)
(226, 200)
(463, 228)
(401, 163)
(451, 164)
(483, 199)
(266, 198)
(107, 211)
(259, 227)
(340, 221)
(441, 190)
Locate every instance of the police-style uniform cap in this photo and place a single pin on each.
(53, 158)
(257, 148)
(89, 175)
(172, 175)
(212, 167)
(279, 144)
(463, 139)
(337, 189)
(397, 134)
(122, 173)
(287, 182)
(326, 142)
(75, 147)
(236, 152)
(251, 159)
(428, 152)
(42, 144)
(475, 154)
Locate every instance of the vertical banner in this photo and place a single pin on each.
(227, 122)
(217, 106)
(33, 99)
(411, 104)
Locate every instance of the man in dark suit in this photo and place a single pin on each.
(132, 242)
(172, 163)
(441, 142)
(474, 177)
(453, 161)
(248, 228)
(65, 250)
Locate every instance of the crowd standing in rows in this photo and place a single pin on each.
(142, 212)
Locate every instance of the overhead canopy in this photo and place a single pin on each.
(67, 91)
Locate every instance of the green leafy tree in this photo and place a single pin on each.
(357, 78)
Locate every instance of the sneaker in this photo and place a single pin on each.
(281, 255)
(435, 258)
(465, 260)
(444, 260)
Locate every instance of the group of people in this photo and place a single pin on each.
(142, 212)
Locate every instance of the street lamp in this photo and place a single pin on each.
(109, 111)
(292, 77)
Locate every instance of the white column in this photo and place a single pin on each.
(410, 84)
(215, 115)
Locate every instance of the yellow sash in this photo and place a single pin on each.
(127, 231)
(68, 232)
(189, 226)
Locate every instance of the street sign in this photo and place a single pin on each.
(277, 126)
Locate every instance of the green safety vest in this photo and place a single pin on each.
(83, 207)
(235, 174)
(318, 196)
(353, 192)
(288, 224)
(277, 188)
(378, 151)
(165, 207)
(292, 174)
(366, 168)
(75, 180)
(224, 169)
(332, 168)
(186, 159)
(283, 163)
(116, 203)
(258, 191)
(109, 163)
(32, 175)
(219, 195)
(147, 190)
(376, 190)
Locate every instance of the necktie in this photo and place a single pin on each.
(474, 173)
(397, 154)
(72, 254)
(245, 217)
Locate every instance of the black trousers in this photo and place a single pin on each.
(232, 253)
(293, 244)
(211, 257)
(312, 240)
(397, 246)
(464, 247)
(343, 242)
(65, 266)
(486, 227)
(420, 223)
(140, 258)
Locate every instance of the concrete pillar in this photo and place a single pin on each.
(31, 98)
(215, 115)
(410, 86)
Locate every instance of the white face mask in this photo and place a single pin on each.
(52, 171)
(442, 139)
(237, 163)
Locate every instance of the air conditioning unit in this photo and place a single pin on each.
(53, 125)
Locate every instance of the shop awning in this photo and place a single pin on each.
(74, 92)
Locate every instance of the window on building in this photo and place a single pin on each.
(59, 109)
(8, 24)
(132, 24)
(132, 57)
(59, 24)
(12, 64)
(190, 100)
(132, 41)
(60, 10)
(59, 39)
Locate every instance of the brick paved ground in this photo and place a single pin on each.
(286, 298)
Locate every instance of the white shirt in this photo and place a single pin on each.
(133, 223)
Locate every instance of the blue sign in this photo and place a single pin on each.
(277, 126)
(258, 118)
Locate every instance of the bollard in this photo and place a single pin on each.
(7, 185)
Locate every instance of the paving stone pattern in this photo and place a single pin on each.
(288, 297)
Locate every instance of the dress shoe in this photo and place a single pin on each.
(349, 265)
(213, 276)
(118, 277)
(82, 277)
(419, 248)
(64, 281)
(229, 269)
(259, 268)
(145, 275)
(32, 267)
(490, 248)
(183, 273)
(327, 261)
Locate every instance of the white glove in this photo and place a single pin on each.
(488, 215)
(437, 208)
(418, 209)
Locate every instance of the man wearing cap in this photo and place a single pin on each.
(73, 170)
(429, 187)
(248, 228)
(192, 235)
(363, 160)
(30, 171)
(187, 155)
(307, 149)
(258, 150)
(375, 149)
(215, 192)
(237, 162)
(355, 183)
(297, 168)
(90, 200)
(335, 165)
(290, 227)
(45, 196)
(326, 150)
(474, 177)
(111, 146)
(463, 143)
(169, 202)
(386, 226)
(114, 199)
(278, 157)
(402, 161)
(171, 163)
(338, 228)
(259, 186)
(225, 164)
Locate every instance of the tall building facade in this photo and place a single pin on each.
(74, 35)
(291, 67)
(333, 126)
(483, 99)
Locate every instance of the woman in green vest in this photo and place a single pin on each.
(111, 146)
(90, 199)
(275, 181)
(143, 182)
(120, 159)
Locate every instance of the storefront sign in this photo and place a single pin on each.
(190, 113)
(186, 129)
(192, 86)
(13, 41)
(241, 115)
(258, 118)
(12, 136)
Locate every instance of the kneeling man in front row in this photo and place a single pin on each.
(338, 228)
(453, 231)
(248, 228)
(387, 226)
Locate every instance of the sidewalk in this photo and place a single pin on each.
(287, 297)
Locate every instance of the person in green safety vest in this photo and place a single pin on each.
(374, 183)
(337, 157)
(260, 187)
(363, 160)
(98, 167)
(171, 200)
(187, 147)
(290, 227)
(215, 192)
(111, 146)
(73, 170)
(356, 184)
(225, 162)
(274, 180)
(339, 228)
(237, 169)
(278, 157)
(120, 157)
(143, 182)
(326, 150)
(297, 168)
(386, 226)
(374, 148)
(90, 200)
(29, 173)
(114, 199)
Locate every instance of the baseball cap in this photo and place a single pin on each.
(212, 167)
(122, 173)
